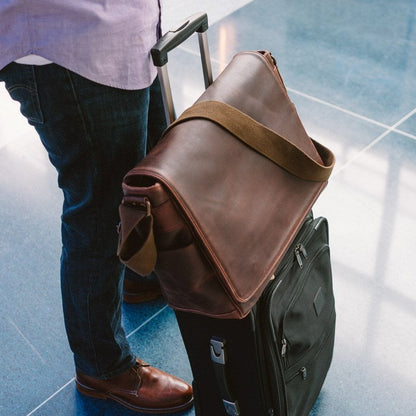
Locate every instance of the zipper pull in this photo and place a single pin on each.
(284, 347)
(300, 249)
(303, 372)
(303, 250)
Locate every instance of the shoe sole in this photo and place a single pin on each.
(88, 391)
(140, 298)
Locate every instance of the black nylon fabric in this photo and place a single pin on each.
(278, 356)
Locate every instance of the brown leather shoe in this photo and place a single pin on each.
(142, 388)
(138, 289)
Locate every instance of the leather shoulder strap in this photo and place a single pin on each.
(262, 139)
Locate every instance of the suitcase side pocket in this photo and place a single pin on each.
(308, 329)
(299, 321)
(304, 382)
(310, 310)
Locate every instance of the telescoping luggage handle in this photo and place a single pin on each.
(169, 41)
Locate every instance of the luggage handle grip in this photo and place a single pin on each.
(219, 361)
(170, 40)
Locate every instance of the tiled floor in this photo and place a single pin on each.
(350, 68)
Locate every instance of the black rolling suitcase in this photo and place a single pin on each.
(272, 361)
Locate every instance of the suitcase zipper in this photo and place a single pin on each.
(284, 351)
(279, 360)
(305, 274)
(304, 238)
(278, 346)
(302, 370)
(302, 282)
(300, 249)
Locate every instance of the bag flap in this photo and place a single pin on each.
(244, 209)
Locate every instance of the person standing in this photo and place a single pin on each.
(82, 72)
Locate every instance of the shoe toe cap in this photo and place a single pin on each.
(163, 389)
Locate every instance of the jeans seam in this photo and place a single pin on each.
(30, 74)
(91, 142)
(35, 96)
(79, 107)
(90, 278)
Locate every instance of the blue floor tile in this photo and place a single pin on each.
(409, 125)
(372, 240)
(358, 55)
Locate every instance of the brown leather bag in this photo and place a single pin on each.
(214, 207)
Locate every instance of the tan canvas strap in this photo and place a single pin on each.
(273, 146)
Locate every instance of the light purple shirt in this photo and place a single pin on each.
(106, 41)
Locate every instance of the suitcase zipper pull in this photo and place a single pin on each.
(300, 249)
(284, 347)
(283, 352)
(303, 372)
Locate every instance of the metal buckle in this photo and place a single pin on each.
(148, 207)
(134, 203)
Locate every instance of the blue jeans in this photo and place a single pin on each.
(93, 134)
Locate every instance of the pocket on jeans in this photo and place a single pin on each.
(25, 91)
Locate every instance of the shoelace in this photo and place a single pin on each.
(137, 367)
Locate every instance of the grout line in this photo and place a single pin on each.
(323, 102)
(73, 378)
(336, 107)
(374, 142)
(352, 113)
(27, 341)
(403, 133)
(147, 321)
(411, 136)
(52, 396)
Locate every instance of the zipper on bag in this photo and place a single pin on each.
(304, 237)
(299, 251)
(299, 289)
(303, 241)
(276, 349)
(301, 369)
(304, 373)
(305, 273)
